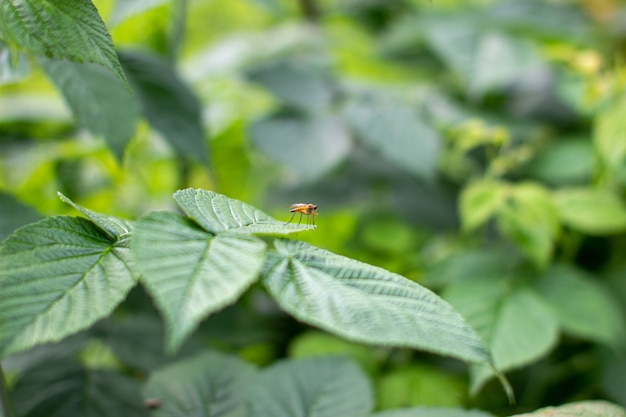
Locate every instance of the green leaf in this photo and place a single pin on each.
(99, 101)
(14, 214)
(516, 323)
(614, 379)
(191, 273)
(307, 146)
(564, 162)
(58, 276)
(588, 310)
(211, 384)
(126, 9)
(609, 136)
(14, 66)
(320, 387)
(364, 303)
(217, 213)
(479, 202)
(432, 412)
(579, 409)
(66, 389)
(591, 211)
(113, 226)
(59, 30)
(397, 132)
(168, 103)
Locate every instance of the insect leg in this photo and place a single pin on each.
(300, 220)
(291, 218)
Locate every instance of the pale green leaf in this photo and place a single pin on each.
(579, 409)
(609, 136)
(432, 412)
(113, 226)
(315, 387)
(517, 324)
(587, 309)
(479, 202)
(100, 102)
(58, 276)
(307, 146)
(168, 103)
(64, 30)
(591, 211)
(191, 273)
(67, 389)
(217, 213)
(397, 132)
(364, 303)
(211, 384)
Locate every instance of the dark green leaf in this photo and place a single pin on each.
(192, 273)
(14, 214)
(58, 276)
(217, 213)
(100, 102)
(320, 387)
(70, 30)
(367, 304)
(168, 103)
(568, 162)
(208, 385)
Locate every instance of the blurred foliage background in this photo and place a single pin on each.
(476, 147)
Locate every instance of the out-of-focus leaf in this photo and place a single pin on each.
(321, 387)
(397, 132)
(125, 9)
(301, 83)
(517, 324)
(217, 213)
(614, 379)
(479, 202)
(579, 409)
(14, 66)
(67, 389)
(58, 276)
(591, 211)
(582, 305)
(307, 146)
(191, 273)
(114, 227)
(364, 303)
(100, 102)
(562, 163)
(211, 384)
(609, 136)
(59, 30)
(167, 102)
(432, 412)
(14, 214)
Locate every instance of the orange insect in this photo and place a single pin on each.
(306, 209)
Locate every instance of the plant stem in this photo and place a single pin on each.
(6, 405)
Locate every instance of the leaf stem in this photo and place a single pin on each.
(6, 405)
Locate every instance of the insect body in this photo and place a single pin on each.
(306, 209)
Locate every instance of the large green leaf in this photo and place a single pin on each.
(70, 30)
(168, 103)
(367, 304)
(432, 412)
(114, 227)
(588, 309)
(211, 384)
(190, 272)
(591, 211)
(217, 213)
(314, 387)
(100, 102)
(518, 325)
(579, 409)
(308, 146)
(67, 389)
(397, 132)
(58, 276)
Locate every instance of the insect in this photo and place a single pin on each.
(306, 209)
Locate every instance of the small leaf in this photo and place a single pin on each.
(307, 146)
(396, 132)
(320, 387)
(591, 211)
(99, 101)
(479, 202)
(58, 276)
(364, 303)
(609, 136)
(114, 227)
(192, 273)
(579, 409)
(167, 102)
(217, 213)
(59, 30)
(66, 389)
(211, 384)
